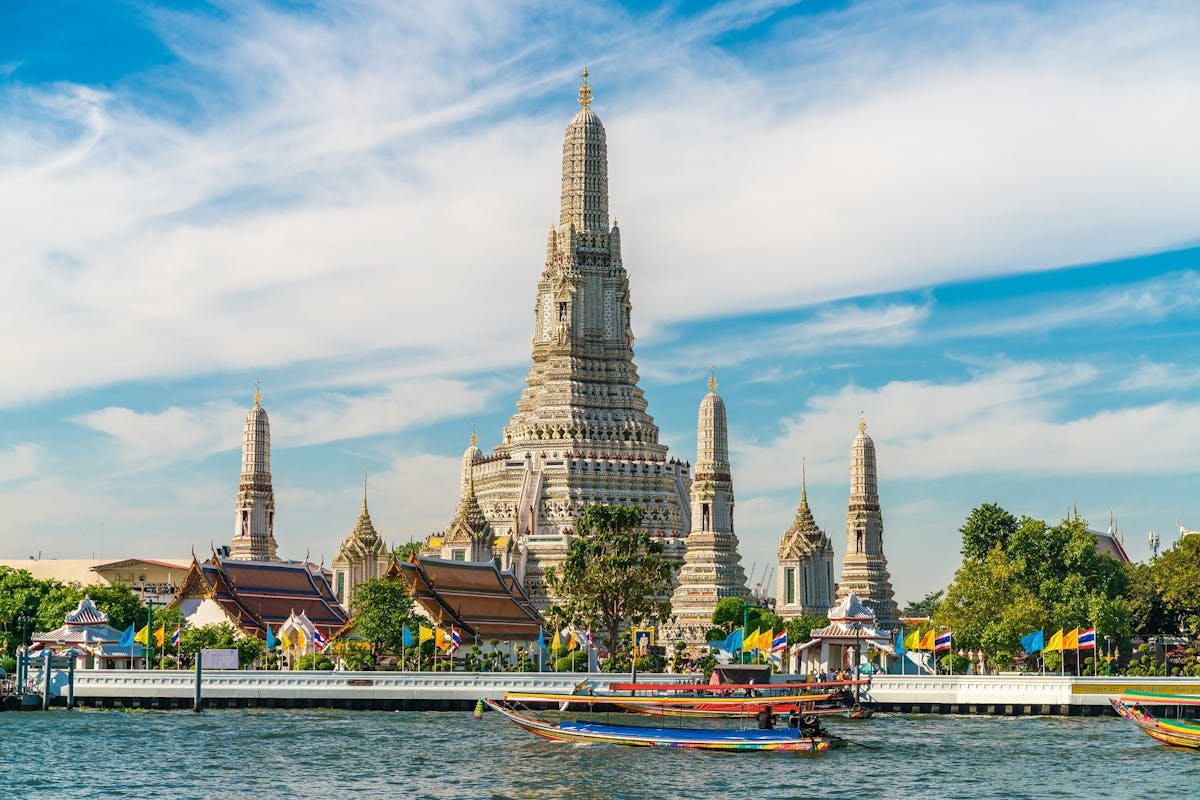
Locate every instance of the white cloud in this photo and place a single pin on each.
(19, 461)
(325, 198)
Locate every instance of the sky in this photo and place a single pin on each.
(976, 224)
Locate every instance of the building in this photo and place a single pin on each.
(470, 536)
(864, 568)
(805, 582)
(149, 578)
(361, 556)
(581, 434)
(851, 638)
(86, 636)
(712, 568)
(254, 519)
(250, 595)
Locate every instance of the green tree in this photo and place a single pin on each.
(925, 607)
(1148, 612)
(987, 526)
(58, 600)
(381, 610)
(220, 635)
(124, 608)
(614, 573)
(20, 595)
(407, 551)
(800, 628)
(729, 613)
(1177, 578)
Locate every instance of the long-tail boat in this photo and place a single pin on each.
(785, 739)
(1177, 732)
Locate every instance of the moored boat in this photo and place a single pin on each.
(1177, 732)
(784, 739)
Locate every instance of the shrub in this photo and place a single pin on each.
(313, 661)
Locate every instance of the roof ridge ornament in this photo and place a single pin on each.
(585, 91)
(862, 422)
(712, 378)
(474, 434)
(258, 393)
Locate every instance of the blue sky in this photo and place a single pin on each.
(977, 223)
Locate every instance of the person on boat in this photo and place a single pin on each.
(766, 720)
(793, 719)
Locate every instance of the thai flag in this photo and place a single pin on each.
(175, 636)
(591, 643)
(1087, 639)
(779, 643)
(455, 639)
(942, 642)
(318, 639)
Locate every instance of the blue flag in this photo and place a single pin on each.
(900, 642)
(730, 643)
(1033, 642)
(408, 639)
(126, 638)
(541, 640)
(270, 638)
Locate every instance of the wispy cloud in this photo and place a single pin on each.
(19, 461)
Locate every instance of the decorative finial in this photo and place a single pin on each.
(258, 393)
(803, 479)
(364, 487)
(585, 91)
(712, 378)
(862, 422)
(474, 435)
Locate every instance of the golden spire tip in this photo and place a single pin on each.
(712, 378)
(862, 422)
(258, 393)
(585, 91)
(474, 435)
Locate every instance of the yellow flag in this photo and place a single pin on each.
(424, 635)
(158, 635)
(140, 636)
(1055, 644)
(1070, 640)
(913, 640)
(572, 642)
(286, 640)
(299, 639)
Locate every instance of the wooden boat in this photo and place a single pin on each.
(787, 739)
(1179, 732)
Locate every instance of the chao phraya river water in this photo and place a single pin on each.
(267, 753)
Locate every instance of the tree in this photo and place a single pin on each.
(987, 526)
(729, 613)
(407, 551)
(381, 610)
(124, 608)
(1177, 578)
(799, 629)
(221, 635)
(925, 607)
(58, 600)
(613, 574)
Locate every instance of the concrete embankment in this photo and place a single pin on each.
(458, 691)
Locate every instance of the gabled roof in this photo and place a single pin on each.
(86, 613)
(475, 596)
(255, 594)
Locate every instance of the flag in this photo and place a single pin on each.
(439, 640)
(900, 642)
(408, 637)
(1071, 640)
(283, 637)
(591, 643)
(913, 642)
(1055, 643)
(541, 640)
(126, 638)
(319, 639)
(455, 639)
(270, 638)
(942, 642)
(555, 642)
(730, 643)
(424, 634)
(178, 628)
(142, 636)
(1033, 642)
(1087, 639)
(299, 639)
(572, 642)
(927, 640)
(159, 634)
(779, 643)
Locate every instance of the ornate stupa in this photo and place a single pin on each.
(254, 523)
(581, 434)
(712, 568)
(805, 564)
(361, 556)
(864, 569)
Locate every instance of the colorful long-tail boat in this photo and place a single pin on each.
(1177, 732)
(783, 739)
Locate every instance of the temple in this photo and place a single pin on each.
(254, 522)
(864, 568)
(86, 636)
(361, 556)
(805, 585)
(712, 568)
(581, 434)
(250, 595)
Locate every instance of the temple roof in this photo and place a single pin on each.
(255, 594)
(86, 613)
(851, 609)
(804, 535)
(85, 625)
(482, 601)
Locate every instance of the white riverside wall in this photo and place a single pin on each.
(1015, 694)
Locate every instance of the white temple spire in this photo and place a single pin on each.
(254, 521)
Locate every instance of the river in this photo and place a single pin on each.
(265, 753)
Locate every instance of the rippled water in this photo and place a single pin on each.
(266, 753)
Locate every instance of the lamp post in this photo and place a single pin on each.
(23, 664)
(1108, 657)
